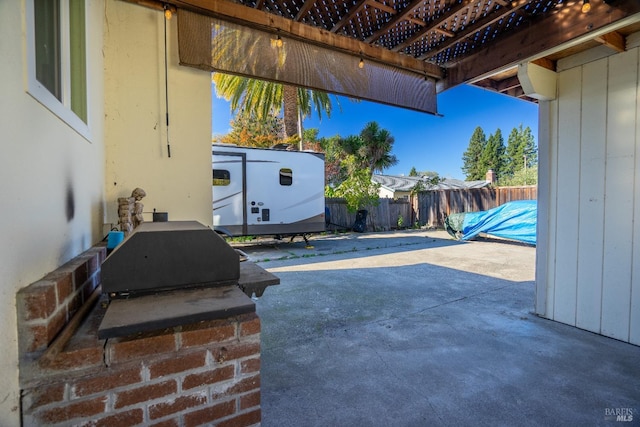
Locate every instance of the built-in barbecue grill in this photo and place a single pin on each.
(160, 256)
(166, 274)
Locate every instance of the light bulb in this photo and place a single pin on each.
(361, 63)
(586, 6)
(167, 13)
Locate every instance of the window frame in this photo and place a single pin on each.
(221, 182)
(62, 109)
(286, 174)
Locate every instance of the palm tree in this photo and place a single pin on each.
(264, 98)
(376, 148)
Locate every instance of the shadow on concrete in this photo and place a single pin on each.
(346, 343)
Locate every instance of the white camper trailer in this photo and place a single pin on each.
(267, 191)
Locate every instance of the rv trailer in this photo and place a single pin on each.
(260, 191)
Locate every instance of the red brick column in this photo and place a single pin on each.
(205, 373)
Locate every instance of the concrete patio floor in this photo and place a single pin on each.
(414, 329)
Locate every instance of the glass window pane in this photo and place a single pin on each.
(221, 177)
(286, 176)
(78, 58)
(47, 40)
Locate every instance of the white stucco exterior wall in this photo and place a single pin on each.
(588, 265)
(51, 183)
(135, 128)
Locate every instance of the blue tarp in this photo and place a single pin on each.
(513, 220)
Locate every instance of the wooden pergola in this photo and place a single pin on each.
(450, 41)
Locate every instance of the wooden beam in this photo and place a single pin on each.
(257, 19)
(614, 40)
(543, 37)
(546, 63)
(506, 85)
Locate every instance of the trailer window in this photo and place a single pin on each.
(221, 177)
(286, 176)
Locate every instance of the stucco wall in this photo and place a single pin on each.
(135, 127)
(588, 267)
(51, 183)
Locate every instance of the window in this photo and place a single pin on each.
(286, 176)
(57, 59)
(221, 177)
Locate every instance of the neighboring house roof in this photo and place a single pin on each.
(397, 183)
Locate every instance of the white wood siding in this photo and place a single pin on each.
(589, 247)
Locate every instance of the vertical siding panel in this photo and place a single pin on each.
(591, 216)
(634, 319)
(552, 208)
(544, 286)
(619, 199)
(568, 186)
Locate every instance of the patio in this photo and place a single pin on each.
(414, 329)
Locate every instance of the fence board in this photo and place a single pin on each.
(428, 208)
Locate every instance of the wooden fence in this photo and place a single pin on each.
(428, 208)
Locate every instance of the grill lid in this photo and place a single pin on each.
(160, 256)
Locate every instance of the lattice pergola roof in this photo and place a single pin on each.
(437, 31)
(452, 41)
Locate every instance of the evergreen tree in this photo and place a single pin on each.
(520, 147)
(471, 158)
(514, 158)
(493, 155)
(530, 148)
(413, 171)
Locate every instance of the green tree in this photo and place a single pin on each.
(530, 148)
(262, 99)
(413, 171)
(371, 148)
(521, 147)
(471, 157)
(376, 148)
(249, 131)
(493, 155)
(524, 176)
(357, 189)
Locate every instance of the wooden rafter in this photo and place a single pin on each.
(409, 10)
(548, 32)
(479, 25)
(614, 40)
(306, 7)
(349, 16)
(381, 6)
(465, 4)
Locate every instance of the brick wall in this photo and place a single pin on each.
(200, 374)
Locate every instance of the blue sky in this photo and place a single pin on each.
(422, 140)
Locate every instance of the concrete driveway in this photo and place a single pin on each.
(415, 329)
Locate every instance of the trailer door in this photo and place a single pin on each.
(229, 192)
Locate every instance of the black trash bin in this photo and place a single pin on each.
(360, 224)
